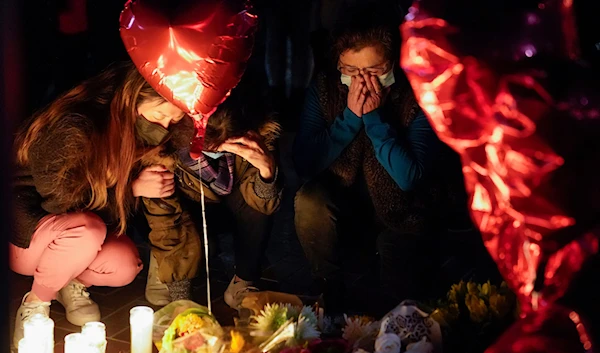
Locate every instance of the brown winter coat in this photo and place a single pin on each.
(174, 236)
(38, 189)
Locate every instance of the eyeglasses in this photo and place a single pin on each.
(376, 70)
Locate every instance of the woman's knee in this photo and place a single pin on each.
(315, 215)
(123, 258)
(126, 274)
(312, 198)
(90, 225)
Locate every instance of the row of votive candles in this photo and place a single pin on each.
(39, 334)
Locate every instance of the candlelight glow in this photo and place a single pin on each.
(74, 343)
(38, 331)
(94, 334)
(141, 319)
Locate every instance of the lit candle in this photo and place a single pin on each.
(141, 319)
(40, 329)
(74, 343)
(94, 335)
(28, 346)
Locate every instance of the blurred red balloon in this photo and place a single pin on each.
(191, 52)
(555, 329)
(496, 80)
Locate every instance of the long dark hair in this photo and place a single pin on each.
(110, 101)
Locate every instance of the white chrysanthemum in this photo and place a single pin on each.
(357, 328)
(292, 310)
(305, 331)
(306, 311)
(270, 319)
(328, 325)
(310, 315)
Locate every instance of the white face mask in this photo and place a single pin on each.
(346, 80)
(386, 80)
(213, 155)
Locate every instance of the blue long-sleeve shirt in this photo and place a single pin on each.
(407, 159)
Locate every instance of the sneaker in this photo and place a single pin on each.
(26, 310)
(157, 293)
(79, 308)
(236, 291)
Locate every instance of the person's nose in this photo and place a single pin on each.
(165, 123)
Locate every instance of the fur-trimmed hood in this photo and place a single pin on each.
(181, 134)
(175, 142)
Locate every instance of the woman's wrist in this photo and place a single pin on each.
(267, 173)
(267, 190)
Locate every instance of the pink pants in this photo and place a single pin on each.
(75, 246)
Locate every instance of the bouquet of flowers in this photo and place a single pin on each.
(406, 328)
(238, 340)
(284, 325)
(474, 314)
(360, 331)
(191, 329)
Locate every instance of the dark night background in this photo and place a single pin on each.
(38, 62)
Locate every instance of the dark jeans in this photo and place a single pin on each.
(250, 230)
(326, 214)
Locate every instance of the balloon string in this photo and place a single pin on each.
(205, 234)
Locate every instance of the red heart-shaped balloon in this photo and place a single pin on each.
(191, 52)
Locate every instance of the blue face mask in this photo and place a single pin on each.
(213, 155)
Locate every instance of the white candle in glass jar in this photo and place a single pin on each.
(94, 335)
(39, 329)
(28, 346)
(74, 343)
(141, 319)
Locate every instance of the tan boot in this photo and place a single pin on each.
(157, 292)
(79, 308)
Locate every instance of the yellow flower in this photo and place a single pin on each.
(237, 342)
(362, 319)
(499, 305)
(472, 288)
(485, 289)
(453, 311)
(504, 288)
(457, 291)
(189, 324)
(478, 310)
(440, 315)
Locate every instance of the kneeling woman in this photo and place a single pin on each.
(73, 192)
(242, 189)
